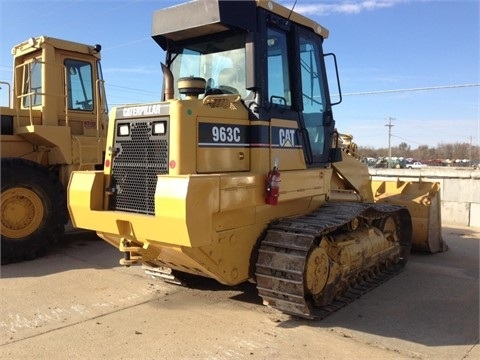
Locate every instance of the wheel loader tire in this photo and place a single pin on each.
(33, 208)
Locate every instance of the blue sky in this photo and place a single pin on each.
(381, 45)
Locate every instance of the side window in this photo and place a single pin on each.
(278, 70)
(79, 85)
(312, 94)
(32, 84)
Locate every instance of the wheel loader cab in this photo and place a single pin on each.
(64, 81)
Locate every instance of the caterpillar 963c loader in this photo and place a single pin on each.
(239, 173)
(55, 122)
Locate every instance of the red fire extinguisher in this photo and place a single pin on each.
(273, 185)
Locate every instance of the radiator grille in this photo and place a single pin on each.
(139, 158)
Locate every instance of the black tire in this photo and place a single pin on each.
(33, 208)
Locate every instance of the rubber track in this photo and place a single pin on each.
(284, 250)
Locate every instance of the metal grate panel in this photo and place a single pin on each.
(139, 158)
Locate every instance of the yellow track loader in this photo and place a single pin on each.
(55, 122)
(239, 172)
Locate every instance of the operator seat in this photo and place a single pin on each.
(228, 80)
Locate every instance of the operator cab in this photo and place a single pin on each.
(275, 63)
(63, 82)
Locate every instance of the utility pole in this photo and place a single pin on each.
(390, 125)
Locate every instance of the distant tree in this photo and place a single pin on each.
(461, 150)
(369, 151)
(444, 151)
(424, 153)
(403, 149)
(421, 153)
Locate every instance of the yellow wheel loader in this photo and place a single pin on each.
(239, 173)
(55, 123)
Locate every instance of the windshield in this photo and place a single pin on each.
(219, 60)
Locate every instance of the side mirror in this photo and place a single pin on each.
(335, 67)
(335, 155)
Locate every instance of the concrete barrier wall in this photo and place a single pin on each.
(459, 190)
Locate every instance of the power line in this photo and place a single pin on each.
(130, 89)
(412, 89)
(409, 140)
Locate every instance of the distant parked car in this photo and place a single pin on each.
(416, 165)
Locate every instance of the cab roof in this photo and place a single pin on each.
(204, 17)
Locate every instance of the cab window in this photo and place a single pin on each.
(278, 70)
(312, 94)
(79, 85)
(220, 60)
(32, 84)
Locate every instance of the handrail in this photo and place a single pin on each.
(65, 90)
(30, 94)
(101, 100)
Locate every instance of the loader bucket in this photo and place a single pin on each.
(422, 199)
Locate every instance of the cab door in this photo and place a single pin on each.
(296, 101)
(315, 110)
